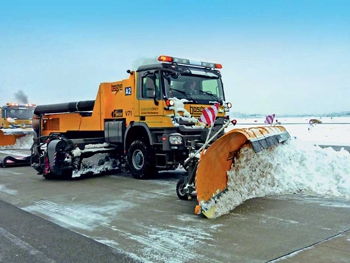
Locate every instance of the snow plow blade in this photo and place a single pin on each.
(211, 176)
(8, 137)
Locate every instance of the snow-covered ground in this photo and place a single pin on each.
(294, 167)
(297, 167)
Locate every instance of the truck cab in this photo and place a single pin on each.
(14, 115)
(170, 97)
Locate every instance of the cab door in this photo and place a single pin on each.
(151, 104)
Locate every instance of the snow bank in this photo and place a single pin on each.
(294, 167)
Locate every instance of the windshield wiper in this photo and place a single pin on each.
(211, 95)
(188, 96)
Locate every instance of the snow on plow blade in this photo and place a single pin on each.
(211, 176)
(9, 137)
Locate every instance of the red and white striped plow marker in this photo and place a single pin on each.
(270, 118)
(209, 114)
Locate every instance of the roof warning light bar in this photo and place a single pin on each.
(189, 62)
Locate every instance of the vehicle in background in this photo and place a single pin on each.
(15, 122)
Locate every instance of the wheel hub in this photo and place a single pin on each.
(138, 159)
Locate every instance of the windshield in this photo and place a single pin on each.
(200, 87)
(19, 113)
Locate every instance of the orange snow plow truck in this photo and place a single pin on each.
(157, 119)
(15, 122)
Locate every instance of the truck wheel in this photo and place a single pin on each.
(140, 161)
(181, 193)
(49, 176)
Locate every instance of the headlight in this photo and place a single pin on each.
(175, 139)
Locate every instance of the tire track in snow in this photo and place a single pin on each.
(170, 243)
(165, 243)
(86, 217)
(6, 190)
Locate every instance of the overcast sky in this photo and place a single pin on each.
(282, 57)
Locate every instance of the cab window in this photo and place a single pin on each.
(211, 85)
(150, 86)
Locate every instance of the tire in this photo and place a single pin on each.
(49, 176)
(141, 164)
(180, 190)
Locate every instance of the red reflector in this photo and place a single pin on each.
(234, 121)
(164, 138)
(165, 58)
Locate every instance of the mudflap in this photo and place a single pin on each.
(211, 176)
(12, 161)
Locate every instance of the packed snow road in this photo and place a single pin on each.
(147, 221)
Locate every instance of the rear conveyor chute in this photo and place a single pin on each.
(211, 176)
